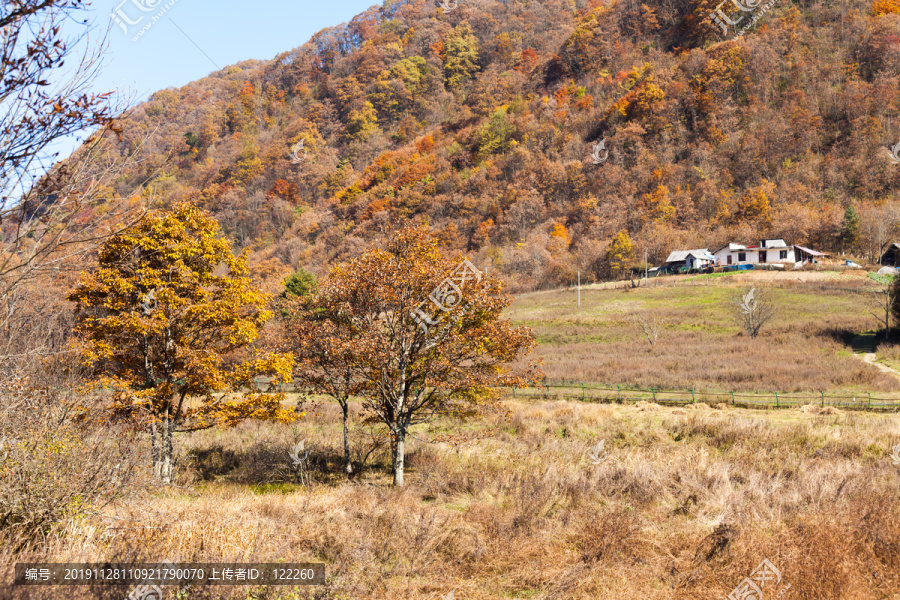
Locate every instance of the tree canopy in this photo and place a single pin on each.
(416, 333)
(168, 316)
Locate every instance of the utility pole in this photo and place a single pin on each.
(579, 289)
(646, 267)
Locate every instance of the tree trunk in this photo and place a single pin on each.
(887, 317)
(399, 455)
(348, 463)
(887, 314)
(162, 450)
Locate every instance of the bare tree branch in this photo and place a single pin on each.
(752, 310)
(648, 324)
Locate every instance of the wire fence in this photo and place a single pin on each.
(594, 392)
(587, 392)
(708, 277)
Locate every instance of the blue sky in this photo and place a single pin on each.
(211, 33)
(194, 38)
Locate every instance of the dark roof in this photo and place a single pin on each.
(682, 255)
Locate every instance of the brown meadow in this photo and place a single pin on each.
(806, 347)
(686, 504)
(520, 501)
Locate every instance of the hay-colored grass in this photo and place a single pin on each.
(806, 348)
(681, 505)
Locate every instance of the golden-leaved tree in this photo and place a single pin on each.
(325, 348)
(885, 7)
(168, 317)
(414, 333)
(460, 55)
(620, 253)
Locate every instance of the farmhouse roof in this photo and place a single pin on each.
(811, 252)
(682, 255)
(731, 248)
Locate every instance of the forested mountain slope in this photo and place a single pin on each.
(480, 120)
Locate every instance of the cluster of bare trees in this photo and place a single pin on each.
(54, 457)
(879, 226)
(751, 309)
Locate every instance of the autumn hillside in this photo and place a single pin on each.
(480, 121)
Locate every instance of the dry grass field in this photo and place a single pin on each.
(683, 504)
(806, 347)
(889, 355)
(522, 502)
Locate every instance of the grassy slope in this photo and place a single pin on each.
(805, 348)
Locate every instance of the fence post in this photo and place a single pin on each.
(582, 391)
(823, 398)
(732, 398)
(619, 392)
(654, 393)
(693, 400)
(514, 391)
(870, 400)
(777, 403)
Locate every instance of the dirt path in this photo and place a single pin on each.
(863, 347)
(870, 359)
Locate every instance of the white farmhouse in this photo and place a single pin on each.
(768, 251)
(732, 254)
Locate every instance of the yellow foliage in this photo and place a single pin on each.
(168, 316)
(249, 165)
(754, 204)
(561, 233)
(657, 205)
(885, 7)
(620, 254)
(648, 95)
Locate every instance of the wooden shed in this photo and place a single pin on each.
(891, 258)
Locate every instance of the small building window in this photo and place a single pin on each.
(783, 255)
(742, 257)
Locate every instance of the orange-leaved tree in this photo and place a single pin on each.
(168, 317)
(885, 7)
(323, 345)
(420, 334)
(326, 354)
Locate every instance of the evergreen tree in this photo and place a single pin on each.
(849, 234)
(300, 283)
